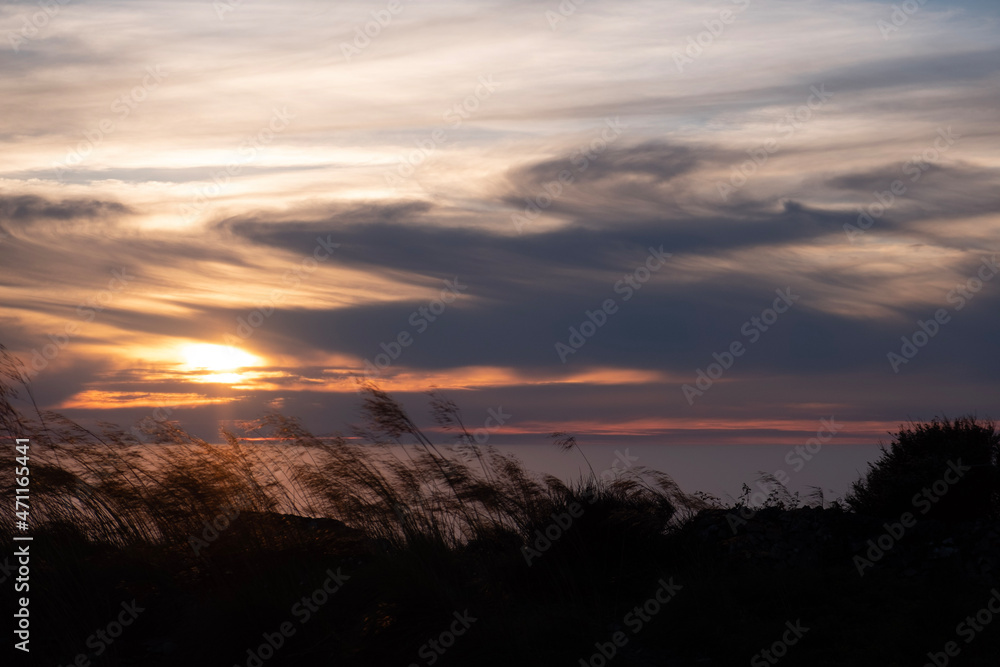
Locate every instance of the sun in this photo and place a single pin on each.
(217, 359)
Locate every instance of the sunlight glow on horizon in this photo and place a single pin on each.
(223, 362)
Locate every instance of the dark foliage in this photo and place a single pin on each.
(919, 457)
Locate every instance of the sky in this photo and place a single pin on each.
(643, 223)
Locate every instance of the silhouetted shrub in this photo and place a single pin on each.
(913, 473)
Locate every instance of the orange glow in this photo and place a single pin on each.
(779, 431)
(103, 400)
(478, 377)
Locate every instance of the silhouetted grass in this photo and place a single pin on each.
(217, 542)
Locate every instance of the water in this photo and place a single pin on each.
(720, 470)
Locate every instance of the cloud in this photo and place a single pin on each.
(930, 190)
(27, 209)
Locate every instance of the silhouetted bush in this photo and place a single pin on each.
(920, 456)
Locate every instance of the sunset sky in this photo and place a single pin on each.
(459, 186)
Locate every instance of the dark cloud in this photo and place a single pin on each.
(927, 190)
(26, 209)
(655, 160)
(44, 51)
(517, 306)
(261, 227)
(923, 71)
